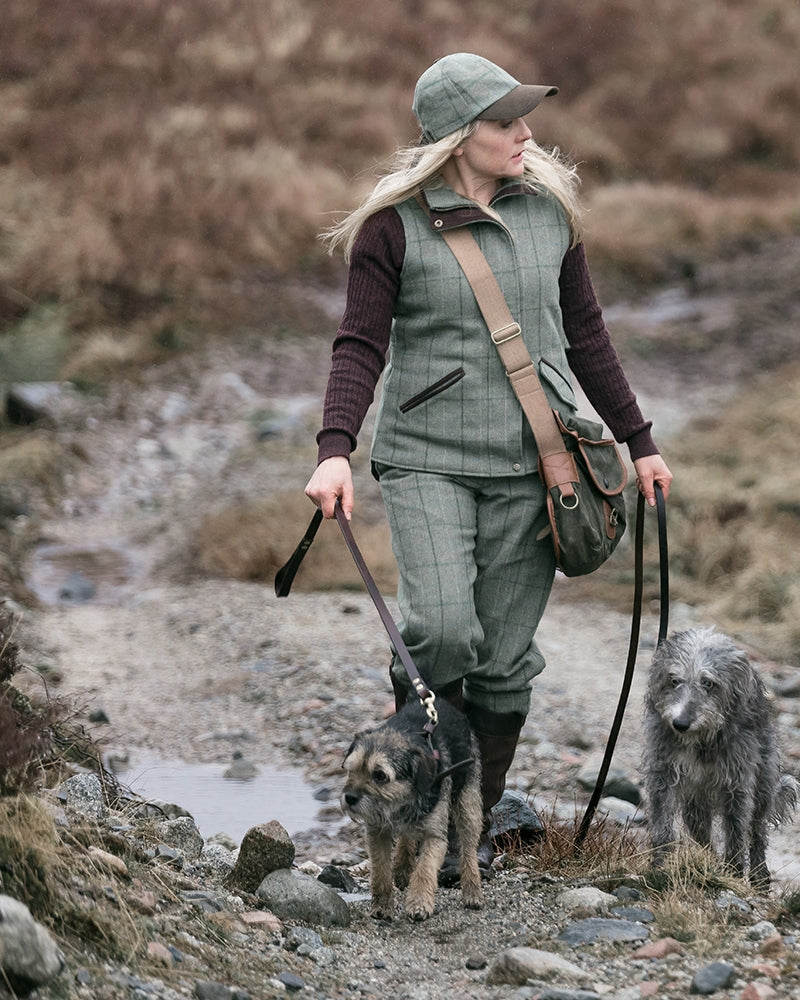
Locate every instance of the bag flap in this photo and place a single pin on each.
(600, 455)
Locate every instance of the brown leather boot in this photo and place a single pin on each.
(497, 734)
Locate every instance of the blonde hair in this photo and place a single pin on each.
(413, 168)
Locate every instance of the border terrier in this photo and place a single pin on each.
(406, 785)
(712, 752)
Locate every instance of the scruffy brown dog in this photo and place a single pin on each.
(401, 787)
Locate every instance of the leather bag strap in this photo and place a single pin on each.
(507, 338)
(557, 464)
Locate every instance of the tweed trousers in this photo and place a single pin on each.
(474, 580)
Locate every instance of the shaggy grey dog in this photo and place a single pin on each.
(712, 751)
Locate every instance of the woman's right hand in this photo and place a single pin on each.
(332, 479)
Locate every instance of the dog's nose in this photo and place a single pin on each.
(681, 725)
(351, 798)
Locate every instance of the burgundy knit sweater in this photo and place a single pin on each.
(361, 343)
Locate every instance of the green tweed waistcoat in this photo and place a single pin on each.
(447, 405)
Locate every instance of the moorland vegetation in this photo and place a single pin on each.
(166, 168)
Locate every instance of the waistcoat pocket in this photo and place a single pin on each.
(557, 382)
(445, 382)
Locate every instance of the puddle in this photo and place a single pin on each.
(228, 805)
(104, 573)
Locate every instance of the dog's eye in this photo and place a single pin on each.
(380, 776)
(708, 684)
(674, 682)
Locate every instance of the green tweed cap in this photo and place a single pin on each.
(459, 88)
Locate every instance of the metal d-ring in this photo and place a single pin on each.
(569, 506)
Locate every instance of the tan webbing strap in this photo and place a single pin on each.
(558, 464)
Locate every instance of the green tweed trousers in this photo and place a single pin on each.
(476, 568)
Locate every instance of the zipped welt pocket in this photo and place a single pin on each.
(433, 390)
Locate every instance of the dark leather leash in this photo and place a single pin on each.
(283, 584)
(633, 645)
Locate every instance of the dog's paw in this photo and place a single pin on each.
(382, 910)
(472, 900)
(419, 909)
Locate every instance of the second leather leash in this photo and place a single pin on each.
(633, 645)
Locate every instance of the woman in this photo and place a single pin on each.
(452, 450)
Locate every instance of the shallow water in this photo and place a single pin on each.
(97, 573)
(230, 805)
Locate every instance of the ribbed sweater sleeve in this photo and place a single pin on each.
(593, 358)
(361, 342)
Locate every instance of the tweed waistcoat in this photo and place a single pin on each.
(446, 404)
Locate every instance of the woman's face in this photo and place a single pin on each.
(492, 152)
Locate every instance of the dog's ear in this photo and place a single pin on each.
(356, 740)
(423, 769)
(349, 750)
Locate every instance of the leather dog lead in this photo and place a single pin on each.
(285, 575)
(633, 645)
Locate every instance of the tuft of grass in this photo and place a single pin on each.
(607, 851)
(684, 891)
(42, 866)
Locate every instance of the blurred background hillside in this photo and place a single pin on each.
(167, 165)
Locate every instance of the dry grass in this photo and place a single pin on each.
(735, 517)
(45, 868)
(607, 851)
(685, 898)
(251, 541)
(178, 157)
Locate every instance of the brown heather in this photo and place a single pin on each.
(165, 169)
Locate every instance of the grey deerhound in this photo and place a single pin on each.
(712, 751)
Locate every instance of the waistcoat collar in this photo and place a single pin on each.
(448, 209)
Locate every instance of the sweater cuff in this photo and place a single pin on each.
(333, 444)
(641, 444)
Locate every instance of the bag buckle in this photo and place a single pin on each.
(507, 332)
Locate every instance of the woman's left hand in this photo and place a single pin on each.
(649, 470)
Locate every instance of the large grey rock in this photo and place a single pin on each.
(294, 896)
(603, 929)
(265, 848)
(29, 956)
(515, 966)
(182, 833)
(83, 794)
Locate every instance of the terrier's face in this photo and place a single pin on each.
(385, 773)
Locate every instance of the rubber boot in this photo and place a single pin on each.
(497, 734)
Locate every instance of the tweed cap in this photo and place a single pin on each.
(461, 87)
